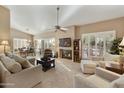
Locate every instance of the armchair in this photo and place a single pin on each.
(48, 53)
(88, 67)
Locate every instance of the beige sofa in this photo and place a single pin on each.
(24, 79)
(11, 75)
(101, 79)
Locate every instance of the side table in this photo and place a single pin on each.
(119, 71)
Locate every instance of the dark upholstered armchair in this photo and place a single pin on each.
(48, 53)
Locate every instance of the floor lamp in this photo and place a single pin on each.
(5, 43)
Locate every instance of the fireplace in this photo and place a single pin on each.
(64, 53)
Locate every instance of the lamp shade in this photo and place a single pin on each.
(122, 43)
(4, 42)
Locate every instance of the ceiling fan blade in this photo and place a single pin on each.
(64, 29)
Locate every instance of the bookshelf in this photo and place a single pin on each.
(77, 50)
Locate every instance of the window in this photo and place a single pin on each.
(19, 43)
(42, 44)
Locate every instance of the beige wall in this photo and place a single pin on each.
(109, 25)
(19, 34)
(45, 35)
(4, 25)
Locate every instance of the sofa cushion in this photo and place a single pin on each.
(119, 83)
(10, 64)
(98, 81)
(81, 81)
(26, 78)
(9, 54)
(24, 62)
(3, 72)
(1, 55)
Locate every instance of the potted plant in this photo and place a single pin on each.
(115, 46)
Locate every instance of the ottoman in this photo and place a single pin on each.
(88, 66)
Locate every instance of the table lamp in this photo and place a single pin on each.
(122, 55)
(5, 43)
(122, 43)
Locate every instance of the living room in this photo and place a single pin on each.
(85, 51)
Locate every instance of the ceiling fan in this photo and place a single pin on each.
(57, 27)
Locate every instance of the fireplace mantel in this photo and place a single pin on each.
(66, 48)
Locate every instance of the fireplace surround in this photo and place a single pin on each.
(66, 53)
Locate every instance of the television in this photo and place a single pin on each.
(65, 42)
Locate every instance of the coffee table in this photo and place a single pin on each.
(47, 64)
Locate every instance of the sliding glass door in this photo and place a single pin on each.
(96, 44)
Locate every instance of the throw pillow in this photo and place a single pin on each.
(3, 71)
(2, 55)
(9, 54)
(24, 62)
(10, 64)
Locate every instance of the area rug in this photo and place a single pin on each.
(62, 76)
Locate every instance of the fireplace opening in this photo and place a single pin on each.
(66, 53)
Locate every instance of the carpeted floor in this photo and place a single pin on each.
(62, 76)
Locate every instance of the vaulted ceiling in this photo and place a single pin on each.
(36, 19)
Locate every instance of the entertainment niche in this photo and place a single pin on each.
(65, 42)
